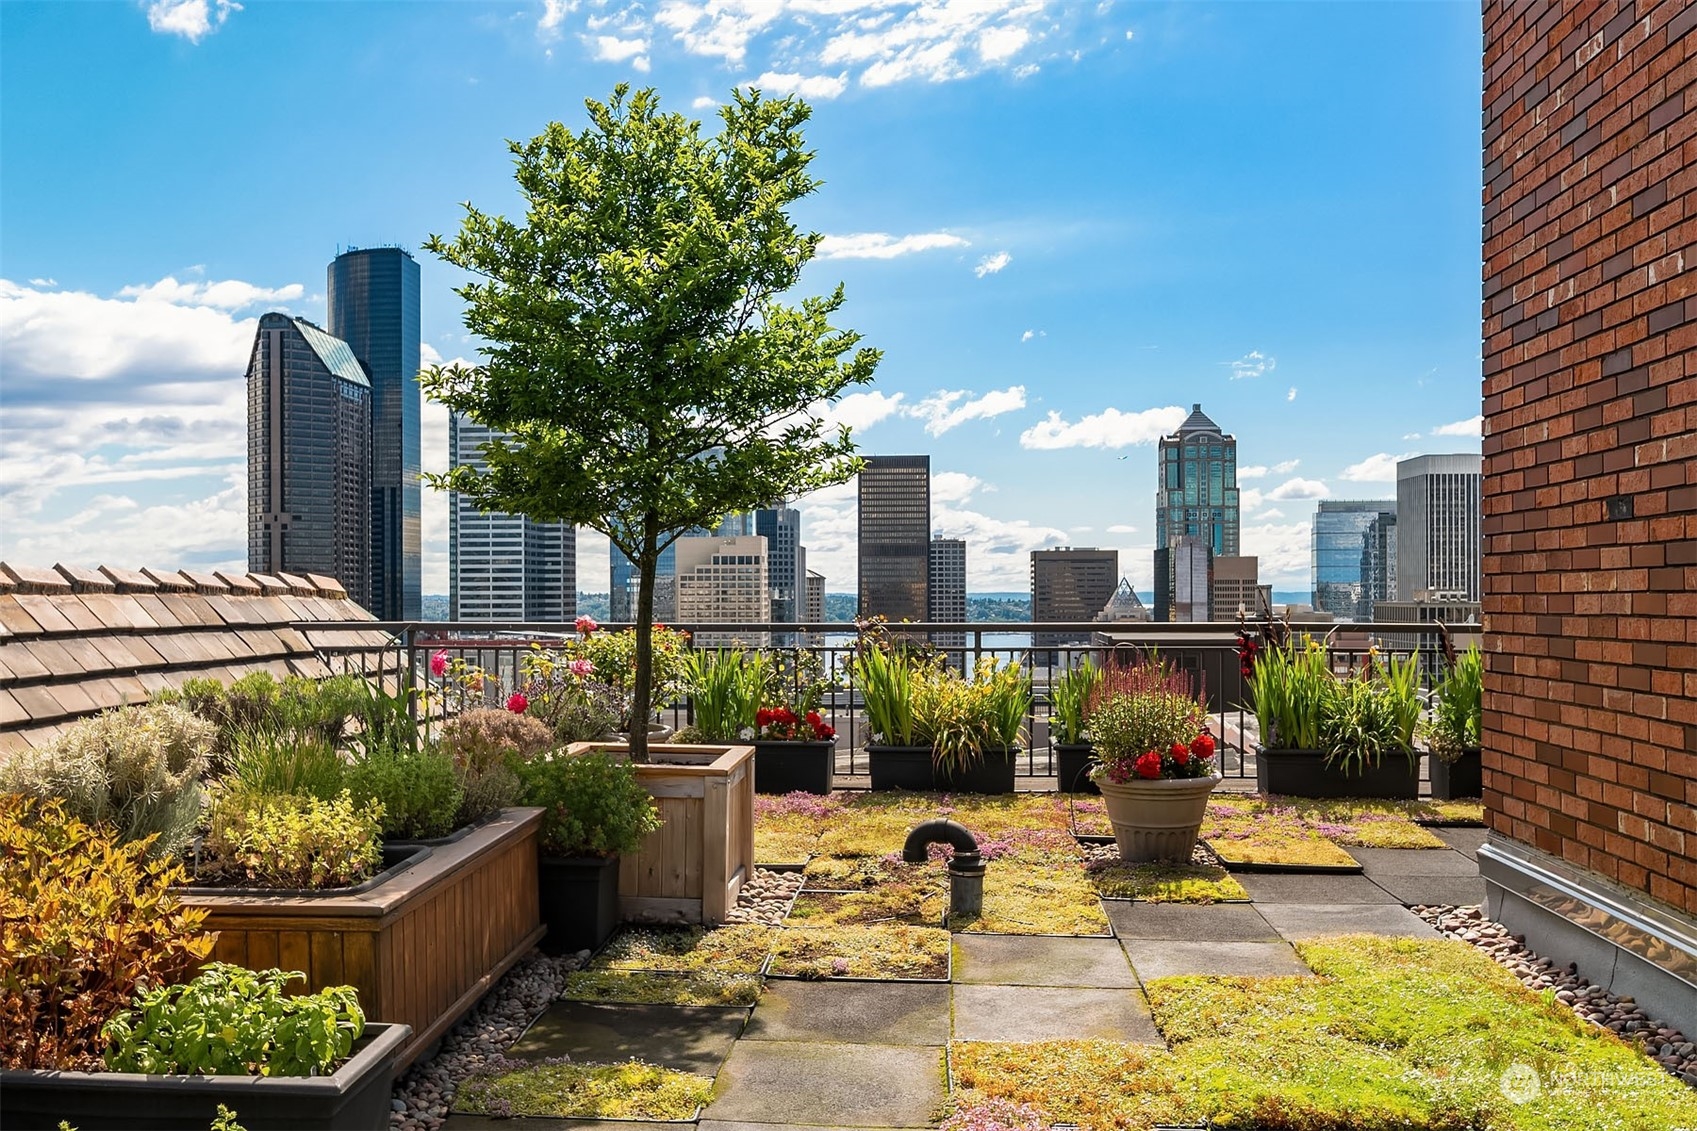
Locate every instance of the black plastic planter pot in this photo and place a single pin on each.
(353, 1098)
(1304, 773)
(1072, 767)
(990, 772)
(900, 767)
(791, 767)
(580, 901)
(1463, 777)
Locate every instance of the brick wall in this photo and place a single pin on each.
(1590, 383)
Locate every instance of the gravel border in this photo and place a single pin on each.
(1664, 1044)
(424, 1094)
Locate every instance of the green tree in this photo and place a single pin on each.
(636, 351)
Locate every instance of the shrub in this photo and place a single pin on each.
(231, 1021)
(419, 790)
(483, 744)
(319, 709)
(84, 919)
(136, 770)
(293, 841)
(595, 806)
(280, 761)
(1457, 707)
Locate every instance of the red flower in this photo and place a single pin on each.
(763, 717)
(516, 703)
(815, 719)
(1203, 745)
(1149, 764)
(1181, 753)
(786, 716)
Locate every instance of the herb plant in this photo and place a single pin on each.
(595, 806)
(419, 790)
(294, 841)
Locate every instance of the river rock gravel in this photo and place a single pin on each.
(1666, 1045)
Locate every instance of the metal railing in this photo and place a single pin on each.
(1208, 651)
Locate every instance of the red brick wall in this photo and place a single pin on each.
(1590, 383)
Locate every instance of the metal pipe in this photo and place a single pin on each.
(966, 867)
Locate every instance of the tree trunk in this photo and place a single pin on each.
(648, 563)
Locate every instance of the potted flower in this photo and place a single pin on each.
(611, 658)
(1068, 696)
(976, 724)
(794, 750)
(898, 753)
(1155, 759)
(1452, 733)
(594, 809)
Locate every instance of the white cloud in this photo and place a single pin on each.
(998, 43)
(1411, 435)
(859, 411)
(44, 283)
(1299, 489)
(882, 245)
(1377, 468)
(1121, 528)
(1026, 70)
(1109, 428)
(948, 409)
(553, 15)
(1252, 364)
(1291, 396)
(1285, 467)
(1030, 334)
(230, 294)
(613, 49)
(808, 86)
(194, 20)
(955, 487)
(1285, 551)
(1472, 426)
(1270, 513)
(702, 102)
(991, 264)
(593, 575)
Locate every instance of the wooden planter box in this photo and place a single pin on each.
(421, 947)
(691, 870)
(1304, 773)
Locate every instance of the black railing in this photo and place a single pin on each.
(1209, 651)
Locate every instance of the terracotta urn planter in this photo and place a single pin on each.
(1157, 819)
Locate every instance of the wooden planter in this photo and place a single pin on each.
(692, 869)
(1463, 777)
(1304, 773)
(421, 947)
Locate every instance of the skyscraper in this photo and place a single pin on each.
(786, 560)
(945, 598)
(895, 537)
(1378, 565)
(723, 580)
(1438, 541)
(622, 577)
(1233, 585)
(504, 566)
(1196, 497)
(1071, 584)
(309, 468)
(372, 296)
(1342, 556)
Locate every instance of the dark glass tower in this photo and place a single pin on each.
(895, 537)
(373, 302)
(1343, 555)
(1196, 497)
(309, 481)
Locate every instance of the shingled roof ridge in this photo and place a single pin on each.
(85, 580)
(35, 579)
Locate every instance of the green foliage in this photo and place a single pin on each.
(285, 840)
(225, 1120)
(726, 689)
(483, 745)
(595, 806)
(639, 360)
(963, 718)
(886, 682)
(84, 919)
(385, 719)
(1291, 689)
(318, 710)
(136, 770)
(1458, 707)
(419, 790)
(1146, 706)
(233, 1021)
(632, 1090)
(1068, 695)
(1366, 719)
(283, 761)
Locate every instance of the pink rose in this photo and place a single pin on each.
(586, 625)
(582, 668)
(439, 664)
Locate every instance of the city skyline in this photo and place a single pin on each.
(1050, 288)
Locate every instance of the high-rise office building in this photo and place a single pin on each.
(622, 578)
(1190, 565)
(895, 537)
(1342, 556)
(309, 467)
(814, 611)
(945, 599)
(1196, 497)
(1071, 584)
(1234, 587)
(372, 297)
(724, 581)
(1437, 526)
(1378, 565)
(787, 560)
(504, 567)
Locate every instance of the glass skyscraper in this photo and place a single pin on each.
(1347, 549)
(1439, 546)
(895, 537)
(309, 470)
(373, 305)
(504, 566)
(1196, 497)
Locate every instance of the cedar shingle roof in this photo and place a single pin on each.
(76, 641)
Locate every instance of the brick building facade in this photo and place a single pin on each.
(1590, 447)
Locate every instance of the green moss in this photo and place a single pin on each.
(632, 1090)
(784, 839)
(891, 903)
(1166, 883)
(1021, 898)
(883, 951)
(1448, 812)
(738, 949)
(642, 987)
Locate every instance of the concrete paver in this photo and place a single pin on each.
(1167, 959)
(689, 1038)
(1377, 862)
(1225, 922)
(1270, 888)
(1311, 920)
(1051, 1013)
(1462, 891)
(852, 1012)
(1038, 960)
(1464, 841)
(827, 1084)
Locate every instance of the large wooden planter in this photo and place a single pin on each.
(1304, 773)
(421, 947)
(692, 869)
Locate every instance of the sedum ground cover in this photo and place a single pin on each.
(632, 1090)
(1393, 1033)
(643, 987)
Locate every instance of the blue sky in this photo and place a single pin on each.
(1063, 224)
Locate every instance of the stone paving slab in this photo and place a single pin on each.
(1464, 841)
(852, 1013)
(1051, 1013)
(1167, 959)
(689, 1038)
(1380, 862)
(1462, 891)
(1310, 920)
(549, 1123)
(1267, 889)
(1226, 922)
(1037, 960)
(834, 1085)
(726, 1125)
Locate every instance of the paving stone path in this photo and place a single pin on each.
(839, 1054)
